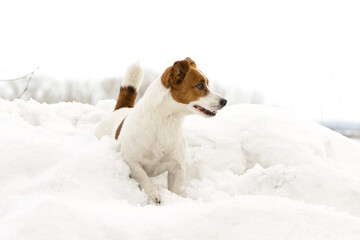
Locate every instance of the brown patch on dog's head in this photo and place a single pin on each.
(185, 81)
(191, 62)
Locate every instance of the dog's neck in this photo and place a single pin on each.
(159, 103)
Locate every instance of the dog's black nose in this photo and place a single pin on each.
(223, 102)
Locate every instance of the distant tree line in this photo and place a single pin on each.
(49, 90)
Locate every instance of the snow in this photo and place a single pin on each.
(253, 172)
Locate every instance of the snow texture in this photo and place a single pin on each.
(253, 172)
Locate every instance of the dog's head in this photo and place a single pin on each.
(188, 85)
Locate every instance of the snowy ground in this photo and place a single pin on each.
(253, 172)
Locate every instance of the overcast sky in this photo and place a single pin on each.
(303, 55)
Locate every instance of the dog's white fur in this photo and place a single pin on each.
(151, 138)
(133, 77)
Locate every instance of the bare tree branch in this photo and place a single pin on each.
(27, 84)
(20, 78)
(26, 76)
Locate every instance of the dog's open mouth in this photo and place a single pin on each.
(205, 111)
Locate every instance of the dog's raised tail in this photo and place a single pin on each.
(130, 85)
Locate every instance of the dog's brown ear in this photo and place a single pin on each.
(179, 71)
(181, 68)
(174, 75)
(191, 62)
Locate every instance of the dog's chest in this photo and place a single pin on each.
(163, 154)
(163, 144)
(152, 139)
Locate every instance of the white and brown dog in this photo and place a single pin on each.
(150, 134)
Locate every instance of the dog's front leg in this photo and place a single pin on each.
(139, 174)
(176, 177)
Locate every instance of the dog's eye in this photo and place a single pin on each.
(200, 86)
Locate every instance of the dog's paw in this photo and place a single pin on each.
(154, 194)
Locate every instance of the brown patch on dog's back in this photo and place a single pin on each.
(182, 79)
(127, 96)
(118, 130)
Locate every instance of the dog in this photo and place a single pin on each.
(150, 134)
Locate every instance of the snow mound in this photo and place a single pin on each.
(253, 172)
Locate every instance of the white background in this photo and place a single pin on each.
(302, 55)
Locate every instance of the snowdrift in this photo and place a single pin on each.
(253, 172)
